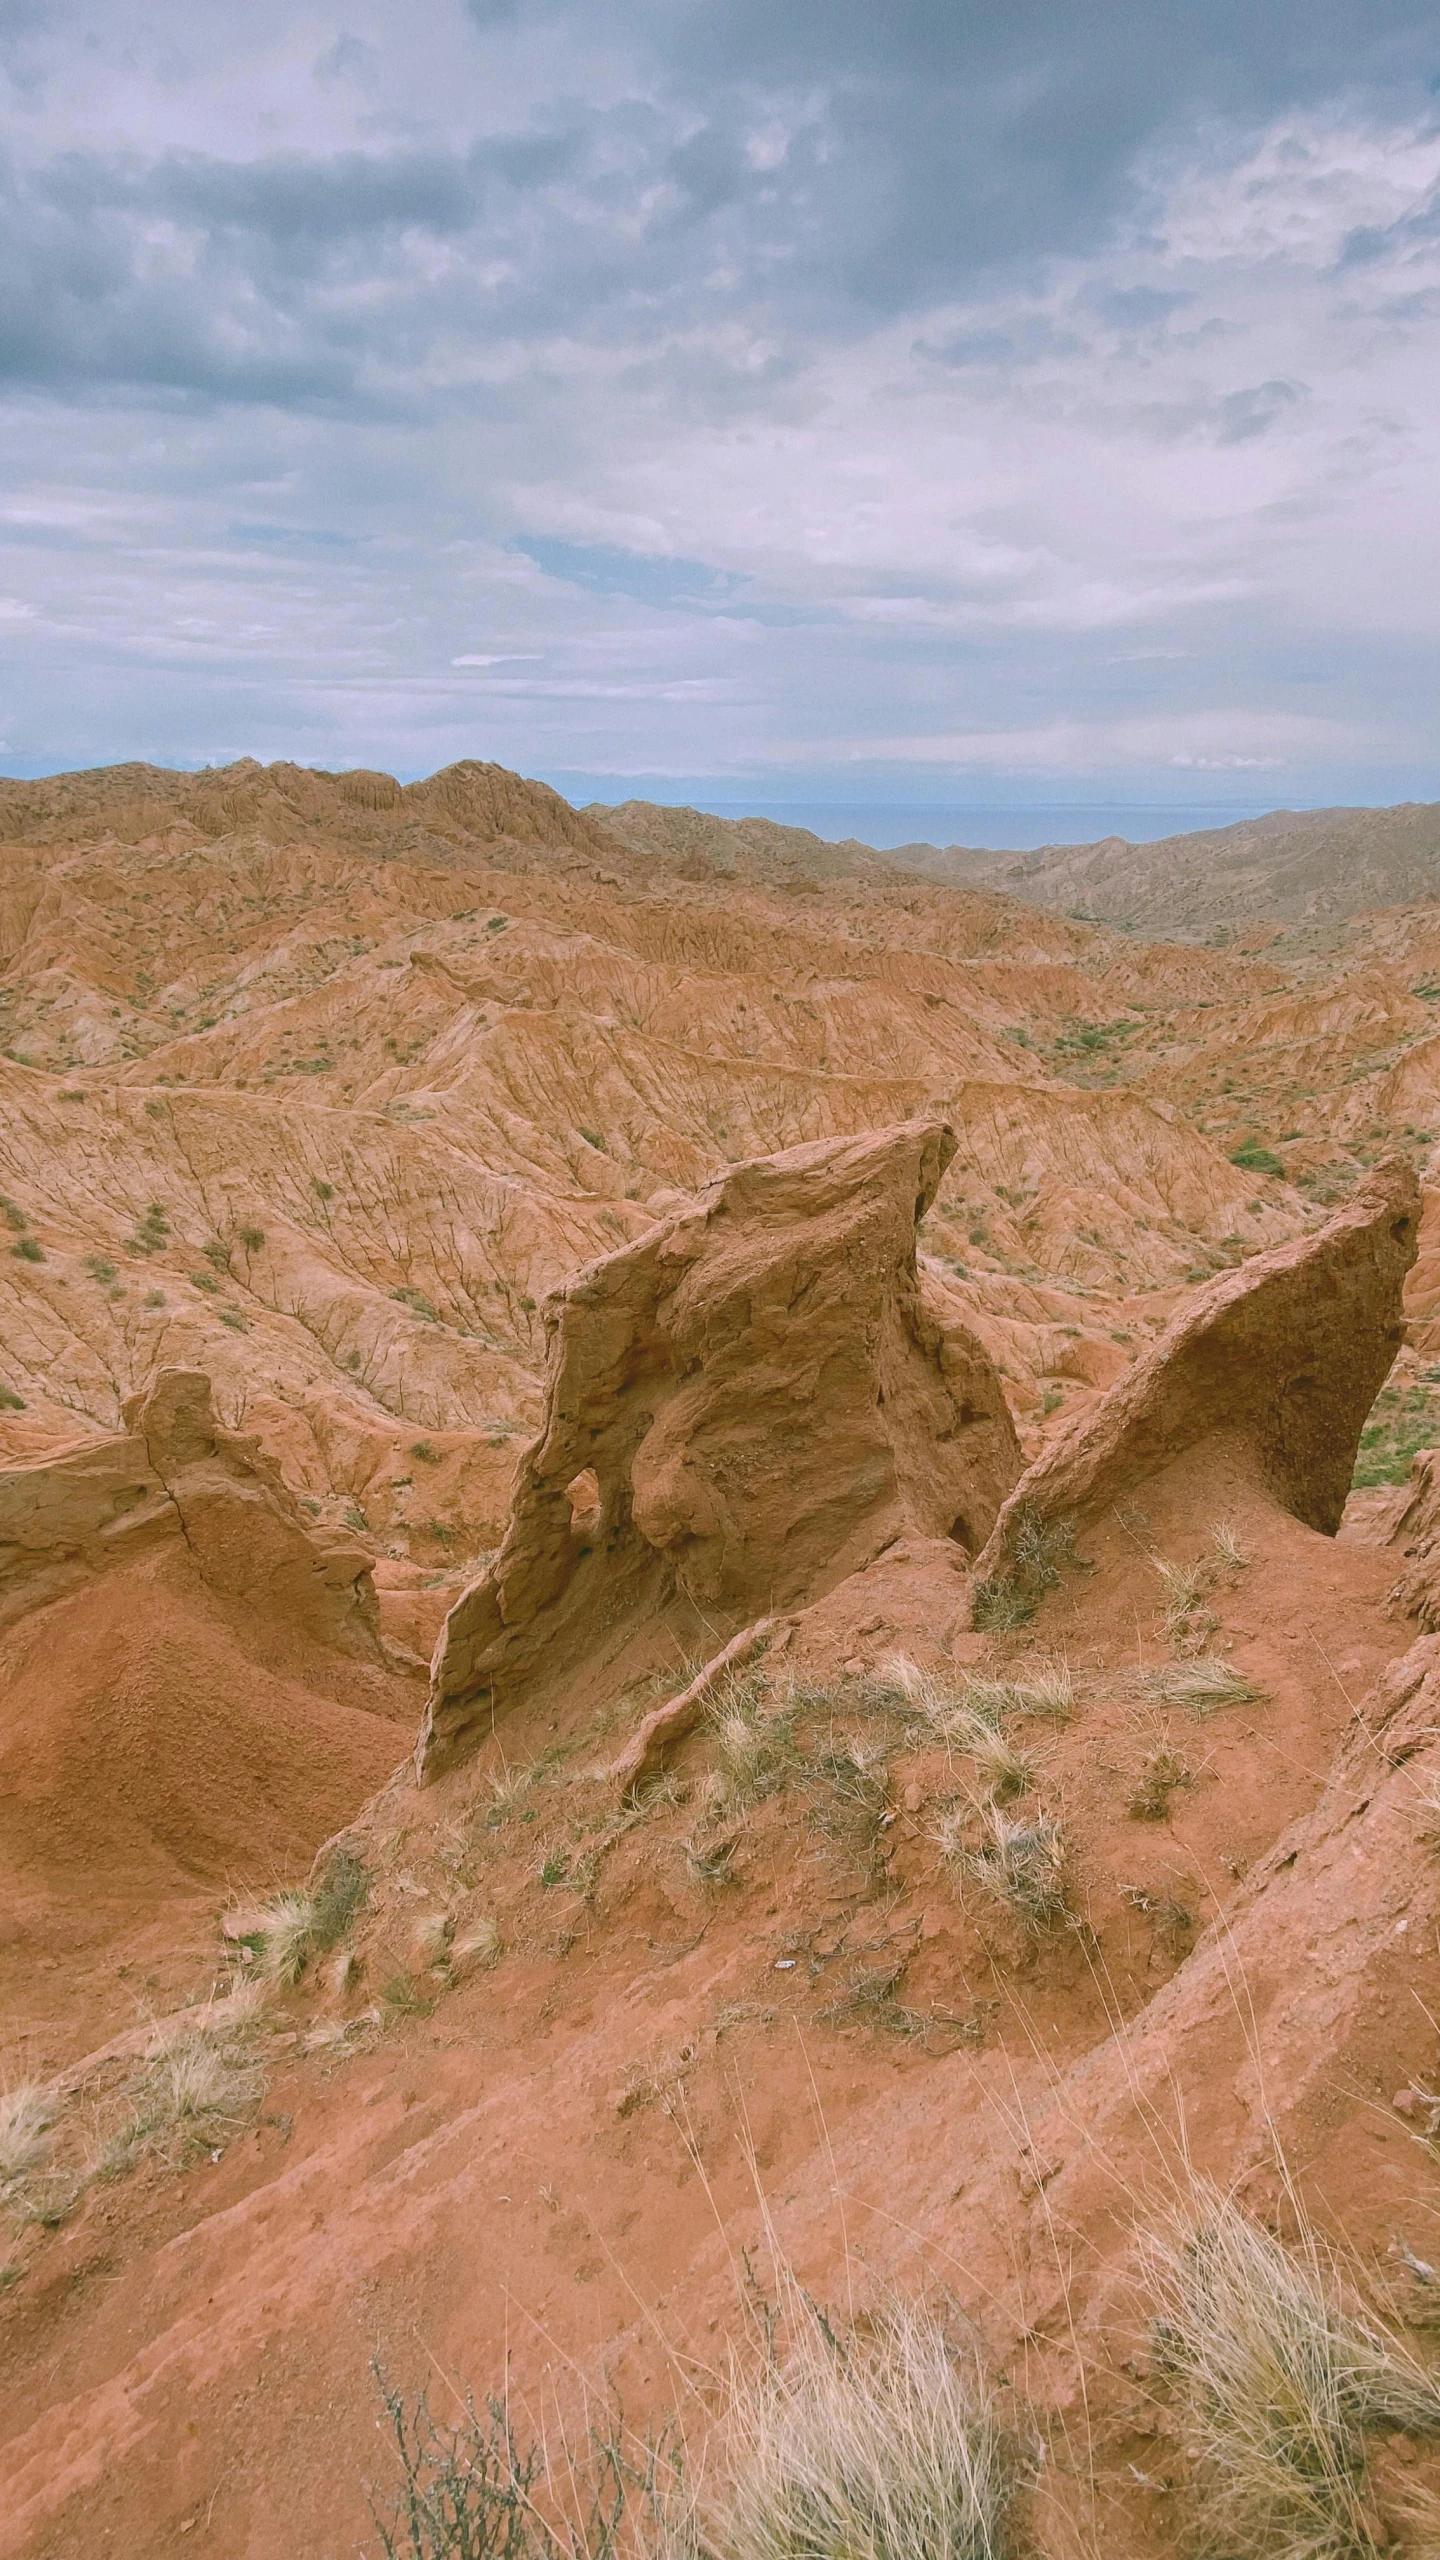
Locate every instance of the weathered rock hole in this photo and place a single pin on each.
(959, 1530)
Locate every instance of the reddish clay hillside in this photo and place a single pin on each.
(851, 1388)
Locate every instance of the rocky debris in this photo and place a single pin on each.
(241, 1526)
(741, 1410)
(1280, 1361)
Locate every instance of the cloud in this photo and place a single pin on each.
(800, 385)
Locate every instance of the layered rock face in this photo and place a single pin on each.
(1277, 1364)
(740, 1410)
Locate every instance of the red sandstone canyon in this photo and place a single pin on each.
(719, 1583)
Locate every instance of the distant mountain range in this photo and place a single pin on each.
(1292, 868)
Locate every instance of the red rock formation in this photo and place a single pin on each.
(763, 1393)
(241, 1527)
(1279, 1362)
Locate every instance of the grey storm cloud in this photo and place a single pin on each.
(923, 145)
(794, 383)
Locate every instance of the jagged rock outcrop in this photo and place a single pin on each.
(741, 1409)
(177, 1473)
(241, 1527)
(1280, 1360)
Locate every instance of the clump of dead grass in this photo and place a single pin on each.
(1226, 1541)
(296, 1927)
(1022, 1861)
(754, 1742)
(840, 2443)
(881, 2446)
(1185, 1589)
(1282, 2378)
(1161, 1772)
(1202, 1684)
(1038, 1549)
(201, 2080)
(946, 1707)
(26, 2116)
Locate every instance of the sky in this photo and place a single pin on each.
(754, 401)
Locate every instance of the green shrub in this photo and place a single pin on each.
(1253, 1158)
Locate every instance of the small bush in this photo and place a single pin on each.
(10, 1402)
(13, 1215)
(1252, 1157)
(471, 2492)
(466, 2492)
(100, 1267)
(27, 1249)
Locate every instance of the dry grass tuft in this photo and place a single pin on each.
(1282, 2381)
(1038, 1550)
(1002, 1769)
(886, 2446)
(26, 2114)
(1225, 1539)
(1202, 1685)
(507, 1794)
(297, 1926)
(1021, 1862)
(754, 1747)
(201, 2081)
(478, 1946)
(1161, 1772)
(1188, 1623)
(1048, 1691)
